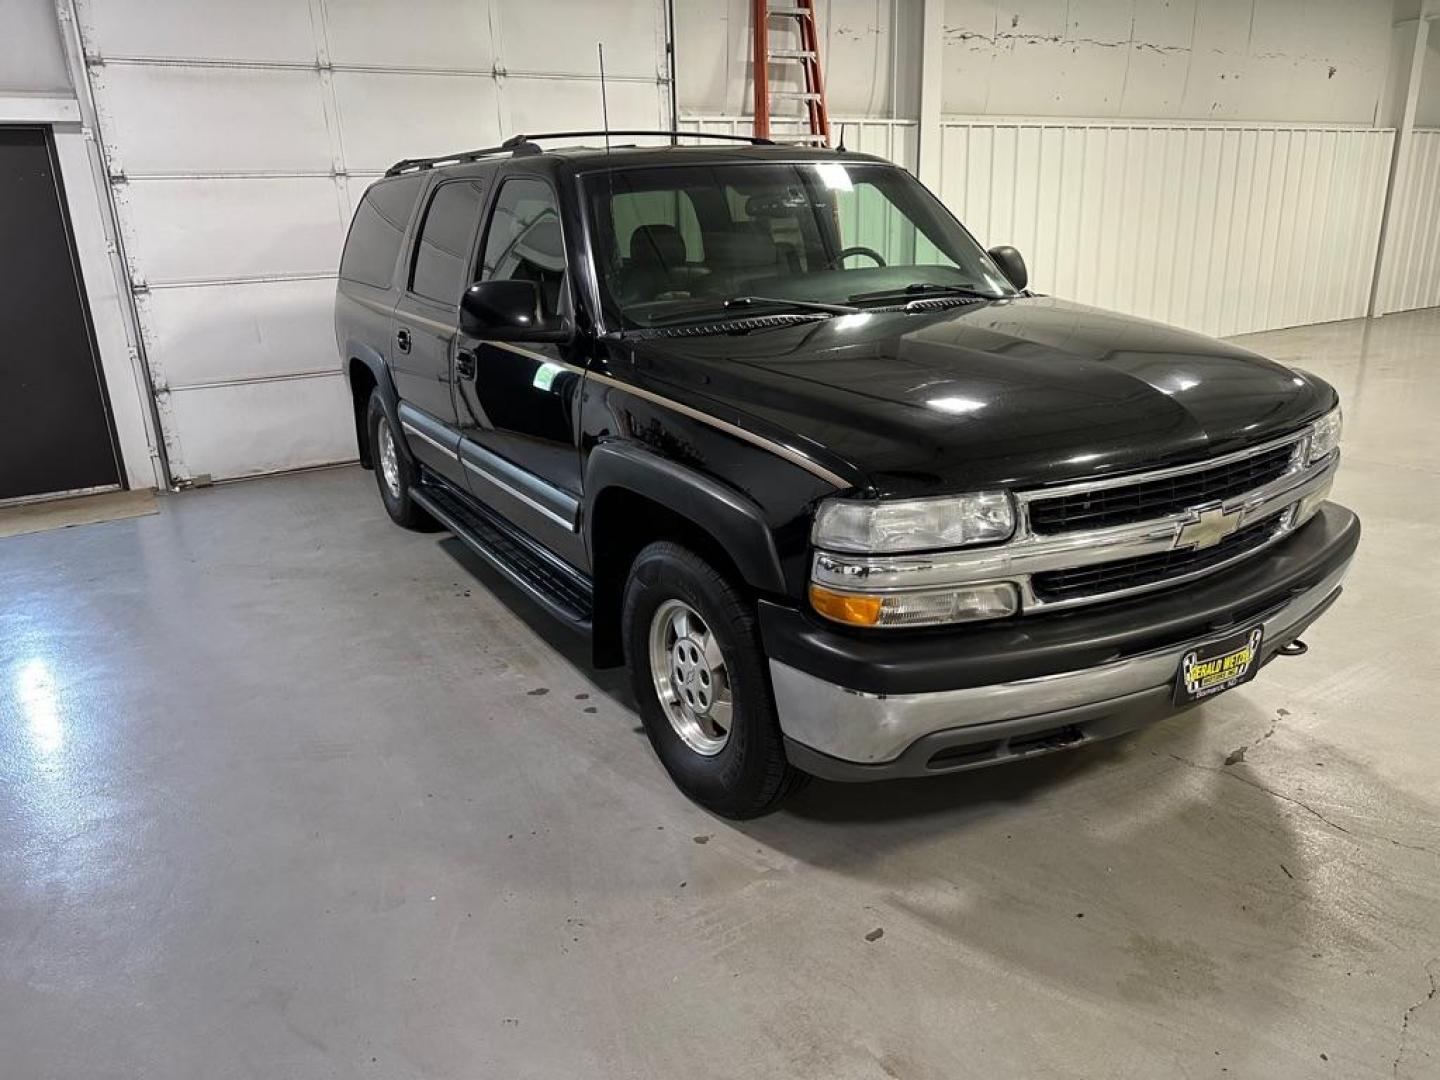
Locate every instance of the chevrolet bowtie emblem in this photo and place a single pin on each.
(1208, 529)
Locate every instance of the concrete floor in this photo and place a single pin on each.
(286, 792)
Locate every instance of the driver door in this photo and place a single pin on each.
(518, 402)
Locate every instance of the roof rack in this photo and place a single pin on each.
(753, 140)
(510, 146)
(519, 145)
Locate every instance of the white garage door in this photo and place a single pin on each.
(240, 136)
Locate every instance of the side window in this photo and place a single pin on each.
(524, 241)
(377, 231)
(442, 255)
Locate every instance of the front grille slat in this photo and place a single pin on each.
(1126, 504)
(1085, 581)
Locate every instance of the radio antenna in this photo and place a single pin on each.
(604, 106)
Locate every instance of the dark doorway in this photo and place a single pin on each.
(56, 434)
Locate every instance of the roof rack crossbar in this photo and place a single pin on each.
(525, 144)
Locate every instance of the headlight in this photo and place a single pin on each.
(913, 524)
(1325, 435)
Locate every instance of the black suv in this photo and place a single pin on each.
(771, 427)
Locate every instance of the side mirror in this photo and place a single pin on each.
(1011, 265)
(509, 311)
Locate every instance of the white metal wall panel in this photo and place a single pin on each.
(1225, 229)
(257, 30)
(175, 120)
(1411, 275)
(559, 37)
(538, 104)
(439, 35)
(388, 116)
(247, 428)
(241, 137)
(259, 331)
(219, 229)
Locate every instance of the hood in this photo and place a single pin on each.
(1013, 393)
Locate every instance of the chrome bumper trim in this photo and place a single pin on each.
(872, 728)
(1032, 553)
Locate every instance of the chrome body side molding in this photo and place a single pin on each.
(532, 490)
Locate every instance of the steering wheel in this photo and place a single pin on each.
(869, 253)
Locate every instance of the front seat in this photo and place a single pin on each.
(741, 258)
(657, 264)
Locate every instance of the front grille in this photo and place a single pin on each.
(1083, 581)
(1158, 498)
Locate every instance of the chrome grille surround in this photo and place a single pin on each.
(1156, 495)
(1029, 553)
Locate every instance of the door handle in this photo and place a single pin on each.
(402, 339)
(464, 363)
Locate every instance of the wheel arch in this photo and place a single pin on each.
(635, 497)
(366, 372)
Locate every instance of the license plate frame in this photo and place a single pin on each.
(1217, 665)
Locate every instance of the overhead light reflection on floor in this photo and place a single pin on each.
(35, 690)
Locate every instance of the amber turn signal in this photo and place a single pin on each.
(852, 608)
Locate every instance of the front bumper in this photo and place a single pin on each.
(869, 707)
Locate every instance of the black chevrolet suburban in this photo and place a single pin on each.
(776, 432)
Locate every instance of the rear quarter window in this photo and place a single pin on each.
(373, 245)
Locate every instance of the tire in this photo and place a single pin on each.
(730, 761)
(397, 475)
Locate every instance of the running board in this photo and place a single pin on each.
(548, 580)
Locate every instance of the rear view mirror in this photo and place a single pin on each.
(508, 311)
(1011, 265)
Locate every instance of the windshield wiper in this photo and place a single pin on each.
(802, 305)
(919, 289)
(727, 310)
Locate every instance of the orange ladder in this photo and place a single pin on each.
(800, 14)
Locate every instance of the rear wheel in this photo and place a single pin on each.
(700, 678)
(395, 471)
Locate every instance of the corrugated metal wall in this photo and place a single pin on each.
(1411, 277)
(1224, 229)
(241, 136)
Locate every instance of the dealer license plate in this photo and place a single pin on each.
(1217, 666)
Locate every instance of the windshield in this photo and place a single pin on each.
(674, 244)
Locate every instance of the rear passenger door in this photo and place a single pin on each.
(422, 349)
(518, 402)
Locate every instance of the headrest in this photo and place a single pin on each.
(657, 245)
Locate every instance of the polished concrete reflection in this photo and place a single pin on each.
(286, 792)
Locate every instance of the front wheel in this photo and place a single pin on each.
(700, 678)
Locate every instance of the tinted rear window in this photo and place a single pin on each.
(441, 257)
(378, 229)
